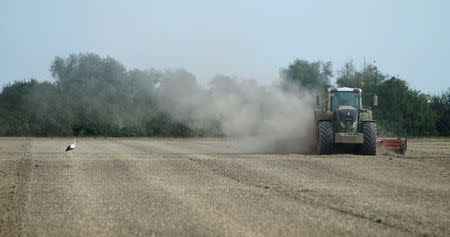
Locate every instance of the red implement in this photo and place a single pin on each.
(394, 144)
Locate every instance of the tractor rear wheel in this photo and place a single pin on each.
(325, 138)
(369, 147)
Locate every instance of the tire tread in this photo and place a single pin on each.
(369, 146)
(326, 137)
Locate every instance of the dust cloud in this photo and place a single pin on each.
(275, 118)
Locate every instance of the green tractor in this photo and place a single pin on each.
(342, 122)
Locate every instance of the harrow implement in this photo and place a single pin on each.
(397, 145)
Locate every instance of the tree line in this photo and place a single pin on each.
(92, 96)
(97, 96)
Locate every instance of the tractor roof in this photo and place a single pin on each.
(345, 89)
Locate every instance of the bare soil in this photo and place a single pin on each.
(208, 187)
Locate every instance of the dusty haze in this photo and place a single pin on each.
(259, 118)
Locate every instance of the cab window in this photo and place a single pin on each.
(344, 99)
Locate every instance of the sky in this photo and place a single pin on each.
(246, 39)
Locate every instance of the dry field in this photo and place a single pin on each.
(208, 187)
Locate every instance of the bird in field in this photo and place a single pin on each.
(72, 146)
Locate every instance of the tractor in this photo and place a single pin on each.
(343, 122)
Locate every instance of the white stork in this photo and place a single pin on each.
(72, 146)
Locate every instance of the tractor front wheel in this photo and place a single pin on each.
(325, 138)
(369, 147)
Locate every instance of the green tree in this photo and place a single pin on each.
(370, 76)
(311, 76)
(441, 106)
(33, 108)
(403, 111)
(97, 91)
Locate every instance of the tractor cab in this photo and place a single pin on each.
(345, 105)
(345, 97)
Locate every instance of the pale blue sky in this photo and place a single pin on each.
(248, 39)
